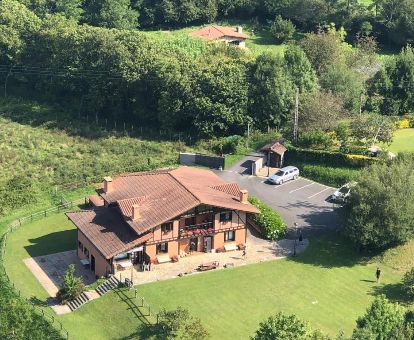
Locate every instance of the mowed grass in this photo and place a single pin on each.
(403, 141)
(329, 285)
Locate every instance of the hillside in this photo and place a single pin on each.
(39, 153)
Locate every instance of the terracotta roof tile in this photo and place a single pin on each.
(106, 229)
(229, 188)
(215, 32)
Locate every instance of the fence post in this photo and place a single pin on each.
(142, 302)
(149, 310)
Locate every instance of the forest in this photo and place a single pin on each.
(54, 51)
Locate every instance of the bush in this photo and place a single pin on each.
(272, 225)
(404, 123)
(408, 282)
(228, 145)
(334, 177)
(316, 140)
(72, 286)
(282, 29)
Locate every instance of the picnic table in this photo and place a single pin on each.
(208, 266)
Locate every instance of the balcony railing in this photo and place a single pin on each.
(197, 229)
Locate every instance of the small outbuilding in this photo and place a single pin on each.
(274, 154)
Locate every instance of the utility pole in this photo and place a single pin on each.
(295, 126)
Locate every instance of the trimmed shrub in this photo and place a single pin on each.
(272, 225)
(282, 29)
(297, 155)
(334, 177)
(403, 124)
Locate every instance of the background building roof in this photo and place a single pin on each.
(214, 32)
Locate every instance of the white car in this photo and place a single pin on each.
(284, 174)
(343, 193)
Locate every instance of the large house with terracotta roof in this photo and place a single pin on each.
(159, 216)
(228, 35)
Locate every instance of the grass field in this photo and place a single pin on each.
(403, 141)
(329, 285)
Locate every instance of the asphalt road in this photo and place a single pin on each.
(302, 201)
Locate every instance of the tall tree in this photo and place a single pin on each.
(272, 92)
(300, 69)
(70, 8)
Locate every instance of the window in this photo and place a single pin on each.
(189, 221)
(167, 227)
(225, 216)
(80, 245)
(229, 236)
(162, 248)
(86, 252)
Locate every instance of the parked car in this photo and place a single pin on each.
(343, 193)
(284, 174)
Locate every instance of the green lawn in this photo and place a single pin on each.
(328, 285)
(403, 141)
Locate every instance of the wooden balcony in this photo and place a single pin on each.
(205, 228)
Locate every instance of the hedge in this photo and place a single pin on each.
(334, 177)
(296, 155)
(272, 225)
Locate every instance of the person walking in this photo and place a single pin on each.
(378, 274)
(244, 252)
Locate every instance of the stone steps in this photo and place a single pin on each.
(78, 302)
(108, 285)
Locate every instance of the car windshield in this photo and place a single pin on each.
(344, 190)
(279, 173)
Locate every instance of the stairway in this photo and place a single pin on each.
(109, 284)
(78, 302)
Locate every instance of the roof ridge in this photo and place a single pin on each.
(144, 173)
(185, 187)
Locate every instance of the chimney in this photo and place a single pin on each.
(108, 184)
(244, 194)
(239, 29)
(136, 212)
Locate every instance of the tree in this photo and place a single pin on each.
(380, 209)
(112, 14)
(282, 30)
(282, 327)
(382, 319)
(72, 9)
(300, 69)
(71, 287)
(408, 282)
(320, 110)
(341, 80)
(368, 129)
(393, 87)
(177, 324)
(272, 92)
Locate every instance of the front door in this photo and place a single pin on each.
(193, 244)
(92, 263)
(207, 244)
(139, 256)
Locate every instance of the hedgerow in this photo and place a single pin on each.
(270, 222)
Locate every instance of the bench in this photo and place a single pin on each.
(230, 247)
(163, 258)
(208, 266)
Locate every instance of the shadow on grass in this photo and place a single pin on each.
(394, 292)
(52, 243)
(134, 308)
(330, 250)
(147, 332)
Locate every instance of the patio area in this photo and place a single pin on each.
(258, 250)
(49, 268)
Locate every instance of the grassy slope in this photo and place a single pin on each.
(328, 285)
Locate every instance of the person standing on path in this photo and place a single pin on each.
(300, 237)
(378, 274)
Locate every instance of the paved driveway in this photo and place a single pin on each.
(302, 201)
